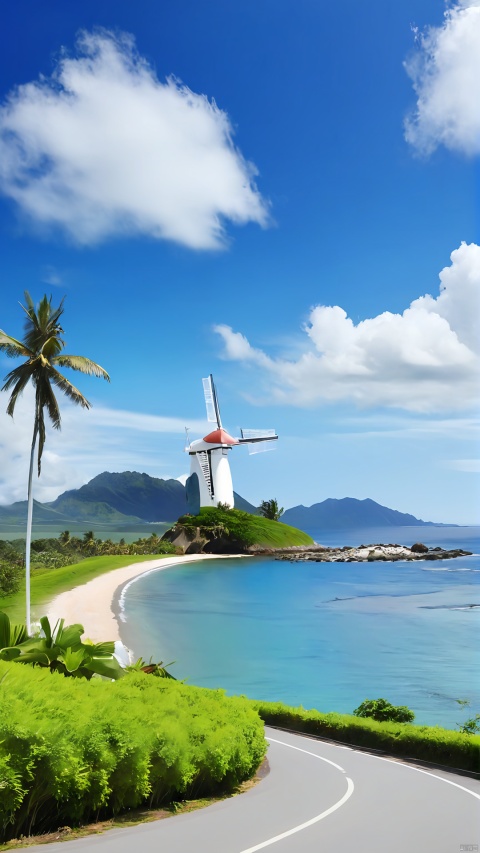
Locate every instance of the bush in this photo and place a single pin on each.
(10, 577)
(73, 750)
(428, 743)
(383, 711)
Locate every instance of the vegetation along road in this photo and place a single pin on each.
(317, 796)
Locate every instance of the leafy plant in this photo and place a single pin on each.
(158, 669)
(60, 650)
(11, 635)
(383, 711)
(270, 509)
(472, 725)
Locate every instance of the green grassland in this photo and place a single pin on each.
(243, 528)
(47, 583)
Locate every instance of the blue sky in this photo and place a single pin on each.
(264, 191)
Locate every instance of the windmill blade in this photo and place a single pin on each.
(258, 440)
(211, 401)
(261, 446)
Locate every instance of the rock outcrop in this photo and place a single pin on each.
(369, 554)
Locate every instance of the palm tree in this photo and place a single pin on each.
(64, 537)
(270, 509)
(42, 347)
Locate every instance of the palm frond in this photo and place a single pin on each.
(52, 346)
(19, 379)
(41, 323)
(68, 389)
(13, 348)
(46, 399)
(79, 362)
(56, 313)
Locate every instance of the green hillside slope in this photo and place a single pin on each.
(231, 531)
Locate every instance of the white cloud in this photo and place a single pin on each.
(469, 466)
(51, 276)
(89, 442)
(445, 71)
(423, 360)
(104, 148)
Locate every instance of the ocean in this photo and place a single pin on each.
(322, 635)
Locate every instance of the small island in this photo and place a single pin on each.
(221, 530)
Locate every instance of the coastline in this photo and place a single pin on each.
(95, 604)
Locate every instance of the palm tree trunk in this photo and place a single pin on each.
(29, 525)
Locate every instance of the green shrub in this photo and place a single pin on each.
(428, 743)
(11, 575)
(74, 750)
(383, 711)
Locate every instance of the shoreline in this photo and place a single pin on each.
(96, 604)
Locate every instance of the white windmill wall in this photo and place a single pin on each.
(222, 477)
(195, 468)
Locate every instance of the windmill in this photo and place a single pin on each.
(210, 480)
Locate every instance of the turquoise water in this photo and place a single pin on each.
(320, 634)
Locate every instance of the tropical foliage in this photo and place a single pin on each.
(59, 649)
(383, 711)
(42, 349)
(270, 509)
(471, 726)
(86, 750)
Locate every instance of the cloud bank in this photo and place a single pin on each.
(445, 71)
(424, 360)
(103, 148)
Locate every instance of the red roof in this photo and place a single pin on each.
(219, 436)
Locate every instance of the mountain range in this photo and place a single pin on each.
(130, 497)
(113, 499)
(337, 514)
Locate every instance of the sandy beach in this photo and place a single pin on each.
(92, 603)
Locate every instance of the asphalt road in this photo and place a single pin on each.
(317, 798)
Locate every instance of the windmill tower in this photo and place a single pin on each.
(210, 480)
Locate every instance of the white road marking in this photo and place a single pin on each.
(346, 796)
(381, 758)
(427, 773)
(291, 746)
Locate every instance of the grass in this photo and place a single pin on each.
(48, 583)
(243, 528)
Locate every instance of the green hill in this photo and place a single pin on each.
(230, 531)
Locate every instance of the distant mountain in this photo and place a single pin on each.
(131, 497)
(138, 496)
(17, 513)
(113, 499)
(338, 514)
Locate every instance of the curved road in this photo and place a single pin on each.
(317, 798)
